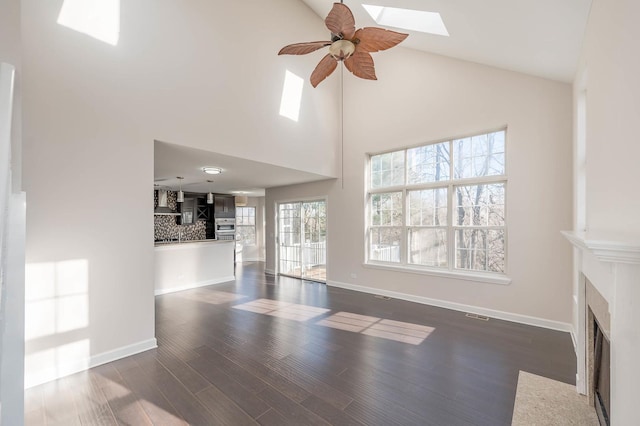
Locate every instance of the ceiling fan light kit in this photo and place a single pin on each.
(347, 45)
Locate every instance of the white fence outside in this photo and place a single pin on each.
(307, 255)
(385, 253)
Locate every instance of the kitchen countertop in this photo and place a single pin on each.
(179, 243)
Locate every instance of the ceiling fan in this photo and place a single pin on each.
(347, 45)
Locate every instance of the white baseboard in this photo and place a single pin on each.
(269, 271)
(36, 378)
(507, 316)
(253, 259)
(161, 291)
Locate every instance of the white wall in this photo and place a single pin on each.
(420, 98)
(608, 74)
(255, 253)
(611, 67)
(206, 75)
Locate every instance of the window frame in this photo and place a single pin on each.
(254, 226)
(451, 227)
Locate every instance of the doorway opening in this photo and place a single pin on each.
(302, 240)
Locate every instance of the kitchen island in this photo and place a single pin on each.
(190, 264)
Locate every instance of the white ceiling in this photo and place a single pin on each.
(251, 177)
(537, 37)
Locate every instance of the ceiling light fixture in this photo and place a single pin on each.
(210, 195)
(180, 193)
(212, 170)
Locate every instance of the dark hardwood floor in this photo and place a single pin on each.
(380, 362)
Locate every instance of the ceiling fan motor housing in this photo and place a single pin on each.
(341, 49)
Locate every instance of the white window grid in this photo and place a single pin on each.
(245, 220)
(451, 227)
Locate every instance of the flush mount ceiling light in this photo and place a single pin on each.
(347, 45)
(408, 19)
(212, 170)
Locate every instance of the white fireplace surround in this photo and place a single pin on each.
(611, 262)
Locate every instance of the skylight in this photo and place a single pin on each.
(99, 19)
(407, 19)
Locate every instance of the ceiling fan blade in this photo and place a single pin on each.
(303, 48)
(374, 39)
(340, 21)
(322, 71)
(361, 65)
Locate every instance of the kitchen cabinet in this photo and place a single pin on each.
(224, 206)
(203, 211)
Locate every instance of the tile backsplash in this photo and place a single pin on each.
(166, 228)
(172, 200)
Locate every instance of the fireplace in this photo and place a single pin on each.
(598, 352)
(605, 322)
(601, 375)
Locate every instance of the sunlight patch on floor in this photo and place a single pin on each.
(211, 296)
(398, 331)
(284, 310)
(348, 321)
(372, 326)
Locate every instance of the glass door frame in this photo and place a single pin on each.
(277, 239)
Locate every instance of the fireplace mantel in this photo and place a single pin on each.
(607, 247)
(611, 262)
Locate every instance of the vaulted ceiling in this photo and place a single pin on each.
(537, 37)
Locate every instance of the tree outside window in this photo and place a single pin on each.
(440, 205)
(246, 225)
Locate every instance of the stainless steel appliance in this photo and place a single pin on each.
(225, 228)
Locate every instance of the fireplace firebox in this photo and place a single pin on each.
(601, 375)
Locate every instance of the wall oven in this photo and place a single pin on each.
(225, 229)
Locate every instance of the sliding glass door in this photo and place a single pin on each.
(302, 239)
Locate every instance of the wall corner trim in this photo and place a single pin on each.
(501, 315)
(574, 339)
(40, 377)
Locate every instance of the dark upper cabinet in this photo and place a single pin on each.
(224, 206)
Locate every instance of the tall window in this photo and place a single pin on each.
(246, 225)
(440, 205)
